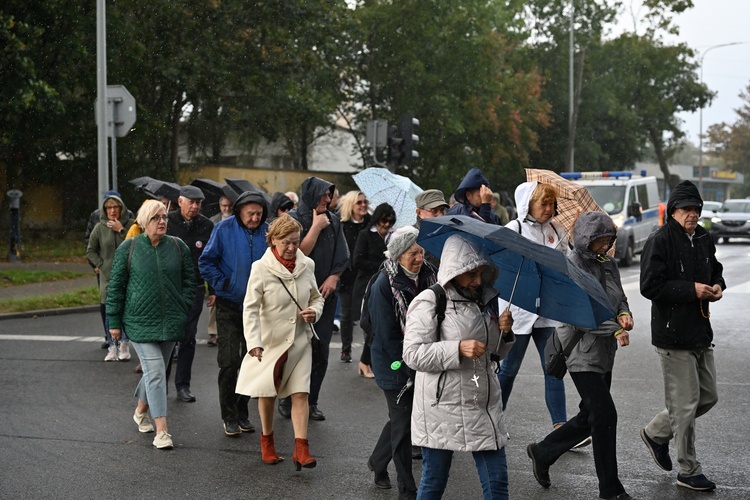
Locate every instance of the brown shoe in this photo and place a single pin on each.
(268, 450)
(301, 456)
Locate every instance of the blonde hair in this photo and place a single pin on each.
(543, 193)
(281, 227)
(148, 210)
(347, 203)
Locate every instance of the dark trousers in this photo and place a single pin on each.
(597, 418)
(324, 329)
(348, 317)
(230, 351)
(187, 345)
(395, 442)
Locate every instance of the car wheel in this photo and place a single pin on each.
(627, 260)
(726, 240)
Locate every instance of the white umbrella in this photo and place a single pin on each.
(383, 186)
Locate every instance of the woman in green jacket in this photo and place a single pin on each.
(151, 290)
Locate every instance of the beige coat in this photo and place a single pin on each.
(272, 322)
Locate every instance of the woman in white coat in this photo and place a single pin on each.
(281, 303)
(537, 205)
(457, 404)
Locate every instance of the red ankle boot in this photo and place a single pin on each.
(301, 455)
(268, 450)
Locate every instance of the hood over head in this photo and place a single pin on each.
(462, 254)
(685, 194)
(523, 198)
(590, 226)
(474, 179)
(251, 197)
(312, 190)
(280, 200)
(123, 213)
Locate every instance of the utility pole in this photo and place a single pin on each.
(101, 96)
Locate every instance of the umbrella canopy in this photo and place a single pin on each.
(572, 198)
(242, 185)
(213, 191)
(533, 277)
(154, 188)
(383, 186)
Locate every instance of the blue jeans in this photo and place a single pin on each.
(491, 467)
(152, 389)
(554, 388)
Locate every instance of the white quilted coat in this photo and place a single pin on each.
(451, 411)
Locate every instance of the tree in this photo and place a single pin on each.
(731, 142)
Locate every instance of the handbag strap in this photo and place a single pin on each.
(315, 334)
(576, 338)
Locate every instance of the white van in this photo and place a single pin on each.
(631, 200)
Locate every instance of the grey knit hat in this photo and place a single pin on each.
(401, 240)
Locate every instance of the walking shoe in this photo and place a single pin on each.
(697, 483)
(659, 452)
(245, 425)
(541, 471)
(346, 357)
(105, 345)
(621, 496)
(144, 423)
(111, 354)
(138, 369)
(381, 480)
(124, 351)
(582, 444)
(163, 440)
(232, 429)
(211, 342)
(184, 394)
(285, 407)
(315, 413)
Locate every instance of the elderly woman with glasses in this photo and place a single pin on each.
(368, 254)
(150, 293)
(354, 216)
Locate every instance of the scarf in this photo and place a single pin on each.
(288, 264)
(391, 269)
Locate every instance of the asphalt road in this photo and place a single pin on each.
(67, 429)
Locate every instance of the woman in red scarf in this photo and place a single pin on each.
(281, 304)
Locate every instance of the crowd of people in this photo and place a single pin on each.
(277, 273)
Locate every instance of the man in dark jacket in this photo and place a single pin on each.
(681, 277)
(194, 229)
(474, 198)
(225, 264)
(323, 241)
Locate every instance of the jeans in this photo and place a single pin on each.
(395, 442)
(597, 418)
(187, 345)
(152, 389)
(554, 388)
(108, 337)
(230, 351)
(492, 468)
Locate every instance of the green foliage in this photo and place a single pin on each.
(731, 142)
(13, 277)
(88, 296)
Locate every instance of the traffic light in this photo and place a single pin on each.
(409, 138)
(395, 144)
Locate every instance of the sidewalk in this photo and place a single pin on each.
(47, 288)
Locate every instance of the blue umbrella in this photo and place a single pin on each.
(383, 186)
(533, 277)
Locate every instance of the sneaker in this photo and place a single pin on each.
(144, 423)
(111, 354)
(163, 440)
(659, 452)
(245, 425)
(346, 357)
(232, 429)
(124, 351)
(582, 444)
(541, 471)
(697, 483)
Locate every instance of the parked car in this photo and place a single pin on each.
(731, 221)
(709, 211)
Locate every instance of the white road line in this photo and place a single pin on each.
(64, 338)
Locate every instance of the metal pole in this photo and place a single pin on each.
(700, 115)
(571, 85)
(113, 131)
(101, 96)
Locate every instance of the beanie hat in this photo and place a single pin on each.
(401, 240)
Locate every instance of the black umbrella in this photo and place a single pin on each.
(154, 188)
(242, 185)
(533, 277)
(213, 191)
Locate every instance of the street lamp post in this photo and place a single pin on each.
(700, 119)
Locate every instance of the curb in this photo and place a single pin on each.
(49, 312)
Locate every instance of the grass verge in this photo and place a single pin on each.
(13, 277)
(88, 296)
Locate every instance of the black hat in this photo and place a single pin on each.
(191, 193)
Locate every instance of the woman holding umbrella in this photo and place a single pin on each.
(537, 204)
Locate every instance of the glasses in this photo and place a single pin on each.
(363, 202)
(111, 207)
(157, 218)
(435, 211)
(387, 220)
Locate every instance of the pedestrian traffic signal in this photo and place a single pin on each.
(395, 144)
(409, 138)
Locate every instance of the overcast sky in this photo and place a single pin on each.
(726, 70)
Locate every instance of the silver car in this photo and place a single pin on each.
(709, 211)
(731, 221)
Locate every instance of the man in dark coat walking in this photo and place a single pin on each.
(681, 277)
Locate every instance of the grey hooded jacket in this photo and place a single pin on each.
(451, 411)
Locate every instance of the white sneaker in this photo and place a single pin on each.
(163, 440)
(144, 423)
(582, 444)
(124, 354)
(111, 354)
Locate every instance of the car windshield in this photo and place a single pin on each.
(711, 206)
(742, 206)
(610, 198)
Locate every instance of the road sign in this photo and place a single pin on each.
(120, 111)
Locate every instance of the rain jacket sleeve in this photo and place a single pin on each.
(424, 351)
